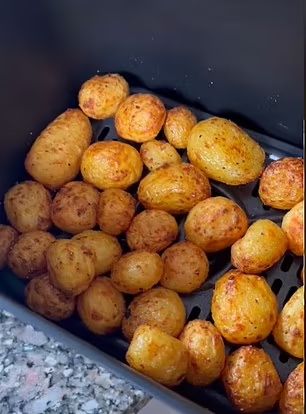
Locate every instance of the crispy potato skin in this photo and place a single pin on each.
(179, 123)
(263, 245)
(140, 117)
(101, 307)
(185, 267)
(288, 332)
(225, 152)
(100, 96)
(8, 237)
(155, 154)
(55, 156)
(292, 397)
(215, 223)
(244, 308)
(251, 380)
(206, 352)
(174, 188)
(111, 164)
(157, 307)
(282, 183)
(158, 355)
(293, 226)
(42, 297)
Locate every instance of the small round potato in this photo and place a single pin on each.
(8, 237)
(288, 332)
(158, 355)
(140, 117)
(152, 230)
(42, 297)
(116, 210)
(111, 164)
(100, 96)
(292, 397)
(251, 380)
(225, 152)
(179, 123)
(71, 267)
(158, 307)
(28, 207)
(206, 352)
(282, 183)
(137, 272)
(244, 308)
(215, 224)
(101, 307)
(293, 226)
(263, 245)
(155, 154)
(174, 188)
(185, 267)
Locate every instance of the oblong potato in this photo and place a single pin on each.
(174, 188)
(158, 355)
(292, 397)
(263, 245)
(293, 226)
(55, 156)
(155, 154)
(178, 125)
(8, 237)
(225, 152)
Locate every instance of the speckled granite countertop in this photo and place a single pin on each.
(39, 375)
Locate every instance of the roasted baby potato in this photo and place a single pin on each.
(174, 188)
(100, 96)
(157, 307)
(116, 210)
(282, 183)
(137, 272)
(179, 123)
(292, 396)
(206, 352)
(28, 207)
(293, 226)
(225, 152)
(288, 332)
(155, 154)
(42, 297)
(111, 164)
(140, 117)
(152, 230)
(158, 355)
(263, 245)
(8, 237)
(215, 223)
(185, 267)
(101, 307)
(244, 308)
(55, 156)
(251, 380)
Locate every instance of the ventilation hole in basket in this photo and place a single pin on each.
(283, 357)
(255, 190)
(292, 290)
(276, 286)
(266, 207)
(194, 314)
(286, 263)
(209, 318)
(270, 340)
(103, 134)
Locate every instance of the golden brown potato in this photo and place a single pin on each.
(140, 117)
(179, 123)
(74, 208)
(8, 237)
(251, 380)
(292, 397)
(174, 188)
(137, 272)
(111, 164)
(155, 154)
(101, 307)
(244, 308)
(71, 267)
(293, 226)
(100, 96)
(55, 156)
(185, 267)
(42, 297)
(289, 329)
(152, 230)
(27, 258)
(157, 307)
(282, 183)
(215, 223)
(225, 152)
(106, 249)
(28, 207)
(158, 355)
(263, 245)
(116, 210)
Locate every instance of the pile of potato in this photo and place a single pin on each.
(89, 272)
